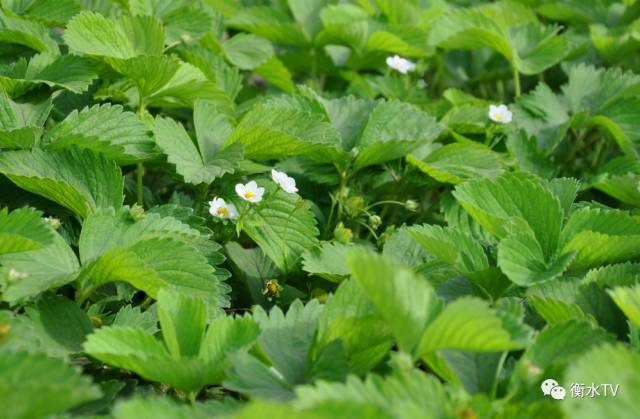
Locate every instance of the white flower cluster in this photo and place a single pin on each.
(250, 192)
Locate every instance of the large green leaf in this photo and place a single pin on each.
(406, 301)
(81, 181)
(69, 72)
(205, 163)
(283, 227)
(608, 364)
(248, 51)
(193, 359)
(269, 23)
(126, 37)
(456, 163)
(466, 324)
(64, 321)
(22, 375)
(27, 32)
(451, 246)
(272, 130)
(118, 134)
(393, 130)
(515, 202)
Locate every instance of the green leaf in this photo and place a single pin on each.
(564, 342)
(69, 72)
(452, 246)
(21, 124)
(269, 23)
(276, 73)
(406, 301)
(52, 266)
(195, 165)
(601, 236)
(248, 51)
(514, 202)
(287, 339)
(249, 376)
(153, 253)
(118, 134)
(522, 259)
(183, 321)
(620, 178)
(81, 181)
(22, 230)
(21, 376)
(614, 365)
(126, 37)
(628, 299)
(32, 34)
(352, 319)
(327, 261)
(284, 228)
(51, 12)
(467, 324)
(135, 350)
(273, 131)
(64, 321)
(394, 129)
(456, 163)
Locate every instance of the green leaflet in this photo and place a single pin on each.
(81, 181)
(69, 72)
(192, 357)
(455, 163)
(20, 379)
(283, 227)
(206, 162)
(612, 364)
(153, 253)
(22, 230)
(21, 124)
(118, 134)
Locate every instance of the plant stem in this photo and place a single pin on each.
(516, 81)
(140, 199)
(201, 196)
(314, 69)
(496, 378)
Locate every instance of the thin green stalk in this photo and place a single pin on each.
(516, 81)
(496, 378)
(201, 196)
(140, 188)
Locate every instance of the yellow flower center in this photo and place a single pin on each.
(223, 211)
(249, 194)
(499, 116)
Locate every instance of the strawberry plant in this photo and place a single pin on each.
(319, 208)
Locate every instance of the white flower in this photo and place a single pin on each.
(287, 183)
(401, 64)
(500, 114)
(250, 191)
(219, 208)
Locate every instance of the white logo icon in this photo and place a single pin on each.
(550, 387)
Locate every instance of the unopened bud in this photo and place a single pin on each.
(136, 212)
(53, 222)
(411, 205)
(342, 234)
(354, 205)
(375, 221)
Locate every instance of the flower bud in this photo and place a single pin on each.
(342, 234)
(354, 205)
(411, 205)
(320, 294)
(375, 221)
(53, 222)
(5, 329)
(136, 212)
